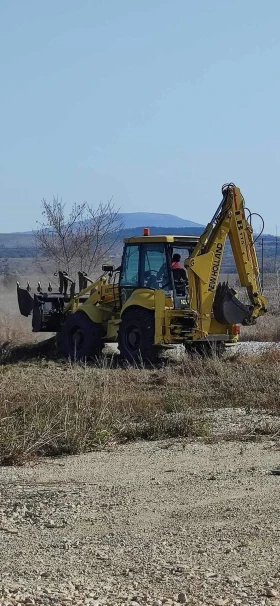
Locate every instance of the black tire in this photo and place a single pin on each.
(136, 335)
(80, 337)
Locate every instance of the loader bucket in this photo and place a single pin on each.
(228, 309)
(25, 301)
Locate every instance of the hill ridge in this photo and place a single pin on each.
(151, 219)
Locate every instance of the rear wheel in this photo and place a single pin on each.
(80, 337)
(136, 336)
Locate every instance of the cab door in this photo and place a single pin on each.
(130, 271)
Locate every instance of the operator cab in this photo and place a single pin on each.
(148, 262)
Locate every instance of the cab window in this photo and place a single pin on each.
(130, 268)
(154, 272)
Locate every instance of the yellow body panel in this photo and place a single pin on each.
(141, 297)
(160, 315)
(201, 266)
(100, 314)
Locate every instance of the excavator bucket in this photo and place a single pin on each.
(25, 301)
(228, 309)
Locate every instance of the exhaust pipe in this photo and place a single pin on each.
(228, 309)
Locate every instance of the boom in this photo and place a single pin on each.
(204, 266)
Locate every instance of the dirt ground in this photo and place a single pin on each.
(163, 522)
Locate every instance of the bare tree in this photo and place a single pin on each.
(80, 240)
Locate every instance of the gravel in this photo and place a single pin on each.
(157, 523)
(243, 348)
(253, 347)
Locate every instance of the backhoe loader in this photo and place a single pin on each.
(145, 306)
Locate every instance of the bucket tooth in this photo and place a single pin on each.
(228, 309)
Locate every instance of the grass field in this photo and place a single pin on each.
(50, 407)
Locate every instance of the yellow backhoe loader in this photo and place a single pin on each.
(149, 303)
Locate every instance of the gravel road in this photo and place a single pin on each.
(147, 523)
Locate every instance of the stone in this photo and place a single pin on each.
(234, 580)
(182, 598)
(272, 593)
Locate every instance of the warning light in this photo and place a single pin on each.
(146, 231)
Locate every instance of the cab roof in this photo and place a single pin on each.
(180, 241)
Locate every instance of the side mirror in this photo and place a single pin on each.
(108, 268)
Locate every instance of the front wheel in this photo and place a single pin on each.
(136, 335)
(80, 337)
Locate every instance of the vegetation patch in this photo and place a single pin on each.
(53, 408)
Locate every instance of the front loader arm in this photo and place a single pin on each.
(204, 266)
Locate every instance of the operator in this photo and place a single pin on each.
(175, 263)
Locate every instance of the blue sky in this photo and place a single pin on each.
(155, 103)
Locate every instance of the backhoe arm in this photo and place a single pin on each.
(204, 265)
(245, 256)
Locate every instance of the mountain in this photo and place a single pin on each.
(20, 246)
(132, 220)
(136, 220)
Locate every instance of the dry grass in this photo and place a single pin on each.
(16, 331)
(14, 328)
(49, 408)
(267, 329)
